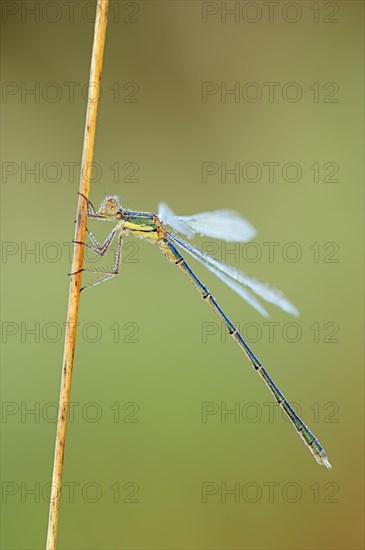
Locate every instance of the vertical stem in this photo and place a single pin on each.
(77, 261)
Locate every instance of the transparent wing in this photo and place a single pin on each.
(237, 277)
(219, 224)
(238, 289)
(168, 217)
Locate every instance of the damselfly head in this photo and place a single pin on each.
(110, 206)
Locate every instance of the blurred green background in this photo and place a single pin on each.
(143, 467)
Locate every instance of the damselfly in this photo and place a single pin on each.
(227, 225)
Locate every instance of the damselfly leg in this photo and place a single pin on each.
(108, 273)
(101, 249)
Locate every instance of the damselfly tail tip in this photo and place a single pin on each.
(323, 460)
(327, 463)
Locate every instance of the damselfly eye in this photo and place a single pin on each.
(110, 206)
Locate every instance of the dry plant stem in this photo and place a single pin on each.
(77, 261)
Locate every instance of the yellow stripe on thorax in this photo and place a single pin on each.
(148, 231)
